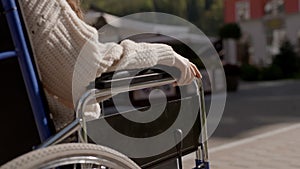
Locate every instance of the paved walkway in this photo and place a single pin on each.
(272, 150)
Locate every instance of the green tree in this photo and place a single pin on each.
(208, 20)
(213, 18)
(192, 10)
(121, 8)
(230, 30)
(168, 6)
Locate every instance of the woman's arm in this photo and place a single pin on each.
(59, 38)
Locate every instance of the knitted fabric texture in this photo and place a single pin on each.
(58, 37)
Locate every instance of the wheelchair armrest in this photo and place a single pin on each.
(131, 78)
(113, 83)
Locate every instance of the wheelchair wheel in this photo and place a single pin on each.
(72, 155)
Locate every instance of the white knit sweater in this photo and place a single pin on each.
(58, 35)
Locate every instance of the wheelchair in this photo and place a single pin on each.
(96, 148)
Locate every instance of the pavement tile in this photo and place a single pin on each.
(273, 152)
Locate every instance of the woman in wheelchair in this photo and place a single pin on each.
(58, 34)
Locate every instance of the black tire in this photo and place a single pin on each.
(72, 153)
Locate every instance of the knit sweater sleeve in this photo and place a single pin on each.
(143, 55)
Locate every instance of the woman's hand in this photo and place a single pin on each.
(188, 70)
(196, 71)
(137, 55)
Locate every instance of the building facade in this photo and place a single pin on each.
(265, 25)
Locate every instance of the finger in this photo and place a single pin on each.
(194, 74)
(197, 72)
(193, 71)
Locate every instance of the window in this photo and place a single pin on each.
(274, 7)
(242, 10)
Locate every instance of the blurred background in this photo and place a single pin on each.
(256, 40)
(258, 43)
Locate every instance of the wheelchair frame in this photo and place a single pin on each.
(34, 91)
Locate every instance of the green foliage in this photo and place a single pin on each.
(124, 7)
(272, 72)
(209, 21)
(230, 30)
(285, 65)
(231, 70)
(168, 6)
(250, 73)
(297, 75)
(192, 8)
(287, 60)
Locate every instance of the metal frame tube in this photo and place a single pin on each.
(106, 93)
(8, 54)
(116, 90)
(204, 138)
(63, 134)
(29, 74)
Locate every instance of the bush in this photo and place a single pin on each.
(231, 70)
(287, 60)
(250, 73)
(230, 30)
(273, 72)
(285, 65)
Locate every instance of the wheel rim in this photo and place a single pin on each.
(85, 162)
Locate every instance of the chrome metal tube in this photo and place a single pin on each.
(116, 90)
(106, 93)
(203, 122)
(63, 134)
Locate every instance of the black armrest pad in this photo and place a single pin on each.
(126, 77)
